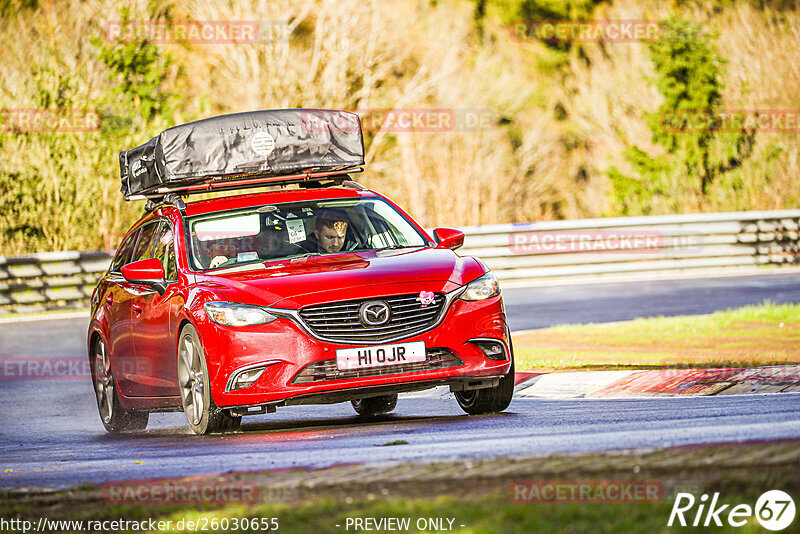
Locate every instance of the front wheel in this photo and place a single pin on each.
(372, 406)
(488, 400)
(115, 418)
(203, 415)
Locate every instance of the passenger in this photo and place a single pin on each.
(272, 242)
(268, 244)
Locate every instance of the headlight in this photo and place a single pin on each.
(232, 314)
(483, 288)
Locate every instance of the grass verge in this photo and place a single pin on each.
(470, 496)
(763, 334)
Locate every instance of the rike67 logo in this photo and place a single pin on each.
(774, 511)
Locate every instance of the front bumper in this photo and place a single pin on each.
(292, 348)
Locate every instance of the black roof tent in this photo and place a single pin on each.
(242, 150)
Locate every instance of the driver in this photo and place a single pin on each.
(330, 229)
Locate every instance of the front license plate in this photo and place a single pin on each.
(380, 355)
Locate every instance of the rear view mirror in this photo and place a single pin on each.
(146, 272)
(448, 238)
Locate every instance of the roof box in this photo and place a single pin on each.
(240, 150)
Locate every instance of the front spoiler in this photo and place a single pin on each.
(344, 395)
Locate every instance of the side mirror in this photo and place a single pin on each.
(146, 272)
(448, 238)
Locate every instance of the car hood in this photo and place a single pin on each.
(296, 283)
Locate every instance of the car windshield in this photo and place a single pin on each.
(297, 229)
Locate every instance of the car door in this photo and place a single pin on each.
(154, 323)
(133, 375)
(117, 300)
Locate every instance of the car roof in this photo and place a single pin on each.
(200, 207)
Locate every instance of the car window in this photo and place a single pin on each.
(144, 246)
(124, 252)
(386, 226)
(279, 231)
(164, 250)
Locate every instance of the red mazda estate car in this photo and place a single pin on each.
(241, 304)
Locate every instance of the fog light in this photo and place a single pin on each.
(244, 378)
(247, 378)
(491, 348)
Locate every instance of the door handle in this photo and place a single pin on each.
(137, 307)
(109, 299)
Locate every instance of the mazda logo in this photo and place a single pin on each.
(374, 313)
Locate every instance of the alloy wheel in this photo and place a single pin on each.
(103, 383)
(191, 379)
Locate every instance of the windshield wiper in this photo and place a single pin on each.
(395, 247)
(304, 255)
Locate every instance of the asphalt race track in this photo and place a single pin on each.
(51, 436)
(538, 307)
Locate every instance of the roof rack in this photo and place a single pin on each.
(241, 150)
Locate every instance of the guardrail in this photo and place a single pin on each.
(47, 280)
(653, 246)
(520, 254)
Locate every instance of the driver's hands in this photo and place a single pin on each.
(217, 261)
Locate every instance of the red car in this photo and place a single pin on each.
(239, 305)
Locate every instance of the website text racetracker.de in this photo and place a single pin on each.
(202, 524)
(59, 367)
(396, 120)
(640, 241)
(49, 120)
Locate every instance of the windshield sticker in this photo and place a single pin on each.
(246, 256)
(226, 228)
(297, 230)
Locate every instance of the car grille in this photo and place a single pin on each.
(339, 321)
(327, 370)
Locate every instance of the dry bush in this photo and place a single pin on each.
(763, 74)
(72, 199)
(608, 95)
(385, 55)
(550, 134)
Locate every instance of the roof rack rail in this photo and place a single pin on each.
(173, 195)
(170, 198)
(352, 184)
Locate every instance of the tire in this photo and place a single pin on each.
(203, 416)
(488, 400)
(372, 406)
(114, 417)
